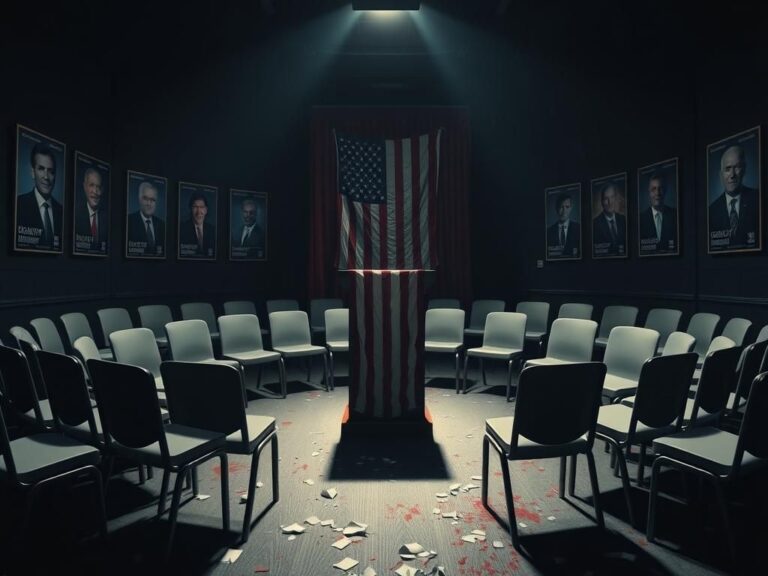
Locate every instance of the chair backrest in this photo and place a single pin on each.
(200, 311)
(443, 303)
(337, 325)
(155, 317)
(505, 330)
(317, 308)
(19, 333)
(289, 328)
(754, 426)
(537, 313)
(137, 347)
(206, 396)
(112, 320)
(616, 316)
(444, 325)
(233, 307)
(736, 329)
(5, 448)
(702, 327)
(627, 350)
(751, 361)
(127, 403)
(763, 334)
(678, 343)
(718, 374)
(67, 392)
(189, 341)
(577, 388)
(47, 335)
(30, 353)
(481, 309)
(662, 390)
(571, 339)
(76, 325)
(240, 333)
(281, 306)
(720, 343)
(575, 310)
(17, 379)
(85, 349)
(664, 321)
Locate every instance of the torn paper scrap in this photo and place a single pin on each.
(478, 532)
(294, 528)
(328, 522)
(329, 493)
(202, 496)
(312, 520)
(231, 556)
(476, 478)
(412, 548)
(346, 564)
(342, 543)
(435, 510)
(369, 572)
(498, 544)
(442, 494)
(309, 482)
(259, 484)
(455, 486)
(453, 514)
(468, 487)
(243, 497)
(407, 570)
(355, 528)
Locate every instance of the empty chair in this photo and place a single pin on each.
(481, 309)
(292, 339)
(718, 343)
(444, 333)
(716, 455)
(336, 336)
(751, 364)
(570, 340)
(717, 379)
(736, 329)
(444, 303)
(537, 314)
(575, 310)
(155, 317)
(504, 340)
(627, 350)
(223, 410)
(20, 394)
(232, 307)
(763, 334)
(664, 321)
(112, 320)
(317, 308)
(133, 429)
(47, 335)
(20, 333)
(190, 341)
(85, 349)
(138, 347)
(30, 353)
(282, 305)
(543, 428)
(678, 343)
(241, 341)
(702, 327)
(201, 311)
(614, 316)
(76, 325)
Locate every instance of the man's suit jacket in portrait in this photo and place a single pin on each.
(252, 246)
(137, 233)
(30, 229)
(188, 240)
(572, 240)
(746, 233)
(649, 241)
(601, 234)
(83, 225)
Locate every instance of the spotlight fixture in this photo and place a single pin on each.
(386, 4)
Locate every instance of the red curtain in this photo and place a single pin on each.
(453, 278)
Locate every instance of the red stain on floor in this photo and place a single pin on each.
(285, 423)
(233, 468)
(523, 513)
(481, 511)
(552, 492)
(261, 569)
(300, 467)
(462, 560)
(497, 473)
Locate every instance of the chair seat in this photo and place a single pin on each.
(233, 363)
(500, 429)
(474, 331)
(185, 444)
(300, 350)
(742, 401)
(704, 447)
(106, 354)
(259, 427)
(253, 356)
(601, 342)
(338, 346)
(614, 420)
(42, 456)
(546, 361)
(532, 335)
(618, 387)
(45, 411)
(434, 346)
(628, 401)
(83, 433)
(494, 352)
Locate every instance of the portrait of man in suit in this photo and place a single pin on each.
(609, 228)
(734, 215)
(91, 213)
(146, 231)
(658, 222)
(563, 236)
(39, 215)
(197, 237)
(248, 239)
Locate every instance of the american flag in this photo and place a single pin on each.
(388, 191)
(387, 344)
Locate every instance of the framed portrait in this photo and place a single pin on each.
(658, 223)
(247, 225)
(734, 194)
(39, 198)
(198, 214)
(562, 206)
(609, 216)
(146, 201)
(90, 216)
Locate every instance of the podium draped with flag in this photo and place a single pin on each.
(387, 244)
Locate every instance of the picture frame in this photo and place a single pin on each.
(197, 218)
(39, 198)
(658, 209)
(734, 194)
(248, 212)
(153, 191)
(609, 216)
(562, 219)
(91, 202)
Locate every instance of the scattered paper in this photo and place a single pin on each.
(406, 570)
(326, 523)
(468, 487)
(291, 537)
(435, 510)
(312, 520)
(472, 538)
(309, 482)
(427, 554)
(346, 564)
(522, 525)
(498, 544)
(243, 497)
(369, 572)
(202, 497)
(478, 532)
(294, 528)
(342, 543)
(259, 484)
(476, 478)
(355, 528)
(315, 454)
(261, 569)
(231, 556)
(442, 494)
(455, 486)
(412, 549)
(453, 514)
(551, 518)
(329, 493)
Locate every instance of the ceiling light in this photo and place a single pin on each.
(386, 4)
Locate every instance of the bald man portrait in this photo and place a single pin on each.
(735, 214)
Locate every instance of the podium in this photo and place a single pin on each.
(386, 346)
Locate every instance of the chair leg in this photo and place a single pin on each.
(175, 501)
(482, 371)
(650, 529)
(330, 363)
(150, 472)
(641, 466)
(163, 492)
(572, 477)
(97, 479)
(195, 486)
(464, 378)
(561, 485)
(457, 372)
(224, 489)
(484, 486)
(328, 386)
(625, 482)
(251, 496)
(309, 368)
(509, 379)
(281, 374)
(510, 501)
(723, 505)
(595, 489)
(142, 475)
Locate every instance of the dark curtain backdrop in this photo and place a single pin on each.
(453, 278)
